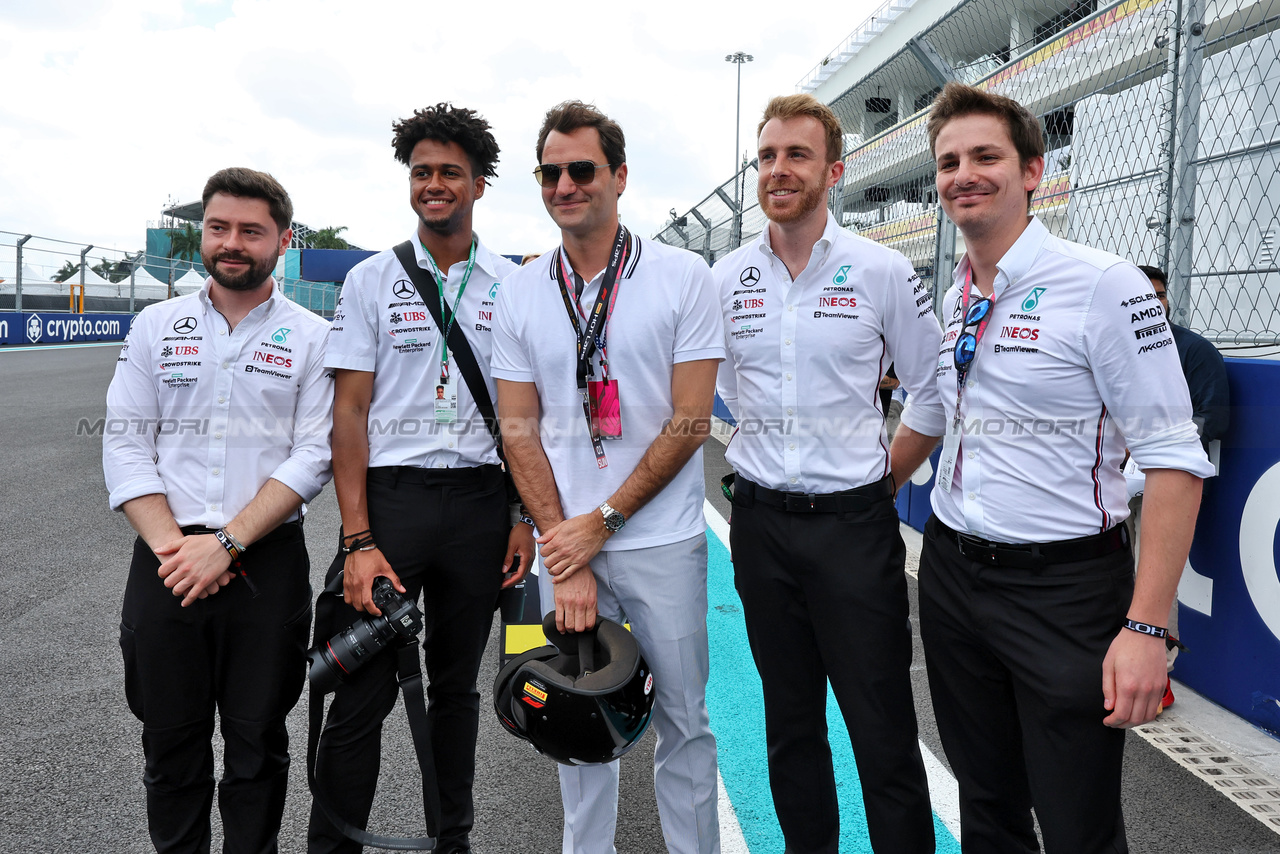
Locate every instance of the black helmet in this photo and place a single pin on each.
(584, 701)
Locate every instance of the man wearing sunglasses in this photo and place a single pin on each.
(813, 316)
(417, 475)
(605, 355)
(1040, 646)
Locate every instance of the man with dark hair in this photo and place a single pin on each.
(604, 422)
(218, 602)
(1206, 376)
(418, 475)
(818, 559)
(1040, 643)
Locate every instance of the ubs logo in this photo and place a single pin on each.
(750, 277)
(184, 325)
(403, 289)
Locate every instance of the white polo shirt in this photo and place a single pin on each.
(664, 312)
(806, 356)
(1077, 362)
(382, 325)
(205, 415)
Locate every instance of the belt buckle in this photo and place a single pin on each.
(799, 503)
(978, 550)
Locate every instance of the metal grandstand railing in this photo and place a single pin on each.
(1163, 137)
(132, 280)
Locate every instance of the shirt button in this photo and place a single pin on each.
(213, 506)
(791, 308)
(222, 332)
(217, 435)
(971, 383)
(788, 377)
(793, 446)
(226, 364)
(791, 411)
(788, 342)
(450, 444)
(972, 496)
(972, 454)
(216, 472)
(222, 400)
(793, 480)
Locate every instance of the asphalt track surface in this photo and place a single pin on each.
(70, 754)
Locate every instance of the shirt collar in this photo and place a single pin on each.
(1016, 262)
(826, 241)
(269, 302)
(485, 260)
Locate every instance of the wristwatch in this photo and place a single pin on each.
(613, 520)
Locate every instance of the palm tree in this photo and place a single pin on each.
(110, 271)
(184, 243)
(328, 238)
(65, 272)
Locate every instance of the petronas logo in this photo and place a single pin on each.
(1033, 299)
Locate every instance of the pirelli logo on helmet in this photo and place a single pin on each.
(534, 695)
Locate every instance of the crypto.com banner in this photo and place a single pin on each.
(55, 328)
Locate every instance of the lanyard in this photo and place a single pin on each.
(446, 313)
(963, 372)
(593, 336)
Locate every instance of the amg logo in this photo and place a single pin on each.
(1148, 331)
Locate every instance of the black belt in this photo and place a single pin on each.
(1034, 555)
(285, 529)
(439, 476)
(859, 498)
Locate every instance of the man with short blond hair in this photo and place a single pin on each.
(814, 316)
(1040, 646)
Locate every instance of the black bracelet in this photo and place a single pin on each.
(359, 542)
(1146, 629)
(230, 543)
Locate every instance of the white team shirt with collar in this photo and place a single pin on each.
(1076, 364)
(204, 414)
(806, 356)
(665, 312)
(381, 325)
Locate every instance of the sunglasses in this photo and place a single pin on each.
(967, 344)
(580, 172)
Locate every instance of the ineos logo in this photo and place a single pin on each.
(184, 325)
(750, 277)
(403, 289)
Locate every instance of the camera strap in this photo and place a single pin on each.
(409, 675)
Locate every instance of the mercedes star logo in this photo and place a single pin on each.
(185, 325)
(403, 289)
(750, 277)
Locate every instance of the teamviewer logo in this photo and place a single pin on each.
(34, 329)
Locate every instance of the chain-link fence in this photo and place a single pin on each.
(1162, 132)
(46, 274)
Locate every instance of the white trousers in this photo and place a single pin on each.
(662, 592)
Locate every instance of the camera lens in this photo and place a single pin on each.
(334, 661)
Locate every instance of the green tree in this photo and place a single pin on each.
(67, 270)
(184, 243)
(110, 271)
(328, 238)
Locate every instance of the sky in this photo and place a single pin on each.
(113, 107)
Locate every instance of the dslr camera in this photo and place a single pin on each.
(333, 661)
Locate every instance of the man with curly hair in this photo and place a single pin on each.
(417, 475)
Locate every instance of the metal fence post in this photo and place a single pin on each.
(17, 293)
(1182, 189)
(706, 235)
(944, 261)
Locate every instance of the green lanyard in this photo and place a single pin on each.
(445, 312)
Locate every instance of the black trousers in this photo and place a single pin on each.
(445, 532)
(242, 654)
(825, 597)
(1015, 668)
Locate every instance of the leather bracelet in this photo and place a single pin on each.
(1146, 629)
(230, 543)
(359, 542)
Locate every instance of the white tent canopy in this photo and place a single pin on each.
(190, 282)
(33, 283)
(146, 286)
